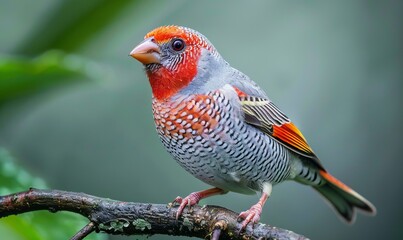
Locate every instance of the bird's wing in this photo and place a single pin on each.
(267, 117)
(245, 85)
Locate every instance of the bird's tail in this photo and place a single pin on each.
(343, 198)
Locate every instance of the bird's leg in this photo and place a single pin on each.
(195, 197)
(253, 214)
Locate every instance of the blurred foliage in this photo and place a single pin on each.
(24, 76)
(36, 225)
(78, 25)
(33, 68)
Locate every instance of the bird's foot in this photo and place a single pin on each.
(191, 200)
(251, 215)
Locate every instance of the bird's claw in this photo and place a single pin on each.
(250, 216)
(191, 200)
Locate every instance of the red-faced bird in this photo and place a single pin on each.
(222, 128)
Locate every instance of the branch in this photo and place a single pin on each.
(127, 218)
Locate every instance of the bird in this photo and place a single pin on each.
(222, 128)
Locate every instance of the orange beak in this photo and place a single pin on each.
(147, 52)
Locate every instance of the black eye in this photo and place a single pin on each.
(177, 44)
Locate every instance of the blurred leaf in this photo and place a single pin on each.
(21, 76)
(68, 26)
(14, 178)
(35, 225)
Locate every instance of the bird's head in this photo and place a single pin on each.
(171, 57)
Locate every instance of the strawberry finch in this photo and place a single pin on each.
(222, 128)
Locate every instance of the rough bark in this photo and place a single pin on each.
(129, 218)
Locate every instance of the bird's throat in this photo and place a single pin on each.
(166, 83)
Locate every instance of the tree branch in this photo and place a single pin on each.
(127, 218)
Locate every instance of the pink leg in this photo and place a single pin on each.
(194, 198)
(253, 214)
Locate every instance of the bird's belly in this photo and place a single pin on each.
(238, 160)
(237, 163)
(219, 148)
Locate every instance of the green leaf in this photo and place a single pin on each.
(68, 26)
(21, 76)
(35, 225)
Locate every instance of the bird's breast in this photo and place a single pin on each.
(186, 118)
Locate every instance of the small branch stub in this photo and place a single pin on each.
(85, 231)
(128, 218)
(219, 226)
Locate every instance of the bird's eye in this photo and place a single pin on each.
(177, 44)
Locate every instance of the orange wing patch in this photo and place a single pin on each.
(239, 92)
(289, 134)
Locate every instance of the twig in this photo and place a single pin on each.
(216, 234)
(87, 229)
(128, 218)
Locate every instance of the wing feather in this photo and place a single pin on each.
(264, 115)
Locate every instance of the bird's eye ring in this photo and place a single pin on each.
(177, 45)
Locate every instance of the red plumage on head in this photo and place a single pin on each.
(167, 82)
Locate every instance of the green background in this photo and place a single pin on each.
(75, 109)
